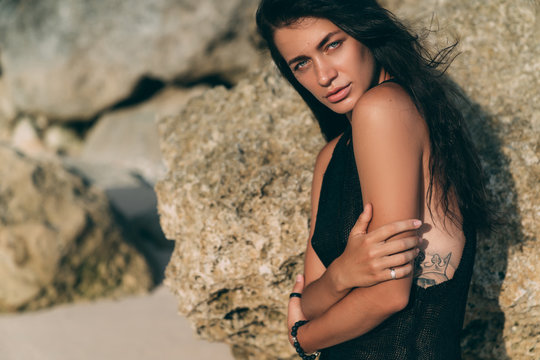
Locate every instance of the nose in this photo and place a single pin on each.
(326, 73)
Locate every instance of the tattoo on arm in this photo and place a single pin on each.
(418, 263)
(433, 271)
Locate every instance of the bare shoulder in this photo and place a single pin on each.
(388, 107)
(389, 95)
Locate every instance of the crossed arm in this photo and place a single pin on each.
(388, 134)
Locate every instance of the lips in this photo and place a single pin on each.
(338, 94)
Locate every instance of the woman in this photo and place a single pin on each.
(398, 147)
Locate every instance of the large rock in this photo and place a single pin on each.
(236, 199)
(71, 60)
(58, 241)
(237, 206)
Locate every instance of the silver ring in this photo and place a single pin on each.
(393, 273)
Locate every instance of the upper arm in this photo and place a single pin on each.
(313, 267)
(387, 140)
(388, 137)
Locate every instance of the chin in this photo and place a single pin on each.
(343, 112)
(342, 108)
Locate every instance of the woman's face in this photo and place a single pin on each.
(335, 67)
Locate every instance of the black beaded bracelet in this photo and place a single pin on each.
(296, 344)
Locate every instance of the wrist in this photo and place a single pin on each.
(335, 279)
(300, 341)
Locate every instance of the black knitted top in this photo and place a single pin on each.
(429, 327)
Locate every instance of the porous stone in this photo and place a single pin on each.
(58, 240)
(236, 199)
(227, 207)
(71, 60)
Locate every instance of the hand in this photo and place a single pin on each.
(294, 312)
(368, 258)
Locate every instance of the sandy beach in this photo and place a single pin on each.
(135, 328)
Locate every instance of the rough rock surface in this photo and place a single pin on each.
(71, 60)
(236, 199)
(57, 239)
(500, 70)
(234, 263)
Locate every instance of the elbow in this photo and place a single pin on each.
(397, 302)
(309, 313)
(306, 309)
(401, 302)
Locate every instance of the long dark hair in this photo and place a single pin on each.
(454, 164)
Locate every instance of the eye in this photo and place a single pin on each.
(334, 45)
(300, 65)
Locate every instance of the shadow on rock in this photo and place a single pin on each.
(136, 211)
(482, 336)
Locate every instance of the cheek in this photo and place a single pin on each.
(368, 64)
(358, 63)
(310, 83)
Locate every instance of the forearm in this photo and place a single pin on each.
(322, 293)
(356, 314)
(341, 314)
(365, 262)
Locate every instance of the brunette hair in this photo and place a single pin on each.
(454, 164)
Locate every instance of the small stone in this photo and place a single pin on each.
(61, 139)
(26, 139)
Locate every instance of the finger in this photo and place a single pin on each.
(387, 231)
(400, 259)
(400, 271)
(399, 245)
(362, 223)
(299, 284)
(294, 312)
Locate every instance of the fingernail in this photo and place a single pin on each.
(298, 278)
(417, 222)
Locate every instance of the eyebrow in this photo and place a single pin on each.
(319, 46)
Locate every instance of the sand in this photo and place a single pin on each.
(135, 328)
